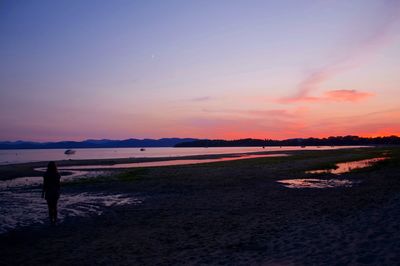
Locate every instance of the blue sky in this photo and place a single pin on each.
(219, 69)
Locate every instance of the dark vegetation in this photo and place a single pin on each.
(191, 142)
(331, 141)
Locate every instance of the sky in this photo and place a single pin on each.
(74, 70)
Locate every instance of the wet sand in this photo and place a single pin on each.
(230, 213)
(31, 169)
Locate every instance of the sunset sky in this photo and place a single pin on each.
(73, 70)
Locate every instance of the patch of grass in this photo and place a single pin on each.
(132, 174)
(245, 162)
(124, 176)
(14, 171)
(88, 181)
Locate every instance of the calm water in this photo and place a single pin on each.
(25, 207)
(346, 167)
(341, 168)
(23, 156)
(317, 183)
(21, 203)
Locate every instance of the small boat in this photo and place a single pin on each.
(142, 149)
(303, 147)
(69, 152)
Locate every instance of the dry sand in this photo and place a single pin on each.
(231, 213)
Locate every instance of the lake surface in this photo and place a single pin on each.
(24, 156)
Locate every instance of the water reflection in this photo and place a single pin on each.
(341, 168)
(317, 183)
(24, 208)
(171, 162)
(346, 167)
(38, 180)
(21, 203)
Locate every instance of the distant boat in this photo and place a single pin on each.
(263, 147)
(303, 147)
(69, 152)
(142, 149)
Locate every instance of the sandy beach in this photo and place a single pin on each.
(228, 213)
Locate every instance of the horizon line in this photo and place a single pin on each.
(194, 138)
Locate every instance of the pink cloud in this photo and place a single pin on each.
(273, 112)
(357, 54)
(346, 95)
(337, 96)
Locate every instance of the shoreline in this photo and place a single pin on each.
(11, 171)
(233, 213)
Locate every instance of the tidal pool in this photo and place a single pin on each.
(346, 167)
(38, 180)
(21, 203)
(317, 183)
(26, 207)
(341, 168)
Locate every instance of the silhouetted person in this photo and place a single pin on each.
(51, 190)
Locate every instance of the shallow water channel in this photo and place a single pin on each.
(26, 207)
(21, 203)
(340, 168)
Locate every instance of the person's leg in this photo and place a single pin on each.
(55, 212)
(49, 205)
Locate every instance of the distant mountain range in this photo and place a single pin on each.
(192, 142)
(92, 143)
(331, 141)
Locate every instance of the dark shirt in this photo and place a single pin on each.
(51, 186)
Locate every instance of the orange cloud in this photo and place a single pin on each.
(346, 95)
(334, 96)
(355, 56)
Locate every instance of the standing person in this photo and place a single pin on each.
(51, 190)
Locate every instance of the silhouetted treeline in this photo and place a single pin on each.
(331, 141)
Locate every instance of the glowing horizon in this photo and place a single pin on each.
(199, 69)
